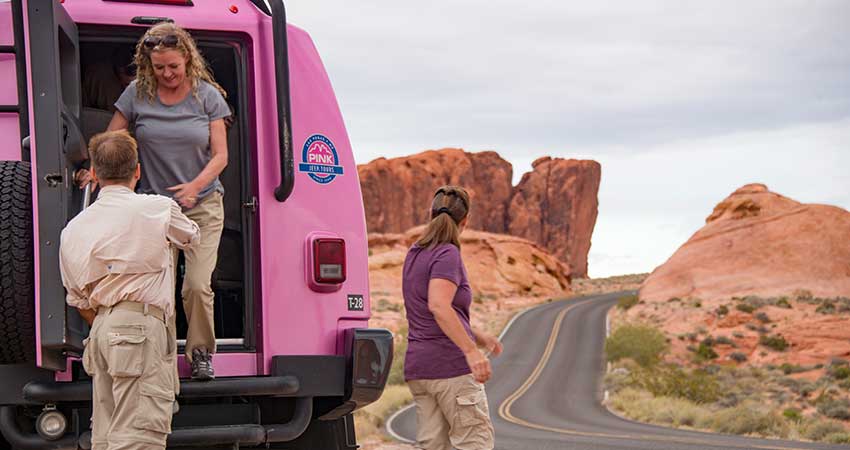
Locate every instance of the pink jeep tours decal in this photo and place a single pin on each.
(320, 160)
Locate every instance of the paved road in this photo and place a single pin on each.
(545, 392)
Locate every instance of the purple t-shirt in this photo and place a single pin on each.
(430, 353)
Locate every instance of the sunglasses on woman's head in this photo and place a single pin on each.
(168, 41)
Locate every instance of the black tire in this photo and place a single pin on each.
(17, 305)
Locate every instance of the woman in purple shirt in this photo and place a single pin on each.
(443, 366)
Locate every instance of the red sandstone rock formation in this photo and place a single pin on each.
(555, 205)
(397, 192)
(757, 242)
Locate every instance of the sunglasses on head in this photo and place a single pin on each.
(168, 41)
(453, 194)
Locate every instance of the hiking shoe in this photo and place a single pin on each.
(202, 369)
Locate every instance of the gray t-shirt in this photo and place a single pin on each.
(174, 140)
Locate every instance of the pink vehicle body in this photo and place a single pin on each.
(303, 340)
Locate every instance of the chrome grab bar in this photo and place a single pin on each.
(86, 197)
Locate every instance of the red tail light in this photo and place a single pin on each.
(329, 260)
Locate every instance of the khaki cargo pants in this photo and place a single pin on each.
(452, 413)
(130, 358)
(201, 259)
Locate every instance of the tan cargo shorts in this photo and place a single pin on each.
(130, 358)
(452, 414)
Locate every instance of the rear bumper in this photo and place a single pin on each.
(312, 387)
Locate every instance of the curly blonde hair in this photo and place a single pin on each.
(196, 65)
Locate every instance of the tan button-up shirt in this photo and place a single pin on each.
(119, 249)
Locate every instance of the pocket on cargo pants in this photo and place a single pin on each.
(155, 407)
(126, 352)
(471, 426)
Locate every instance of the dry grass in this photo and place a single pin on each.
(370, 420)
(748, 418)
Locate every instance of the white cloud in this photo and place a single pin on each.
(681, 102)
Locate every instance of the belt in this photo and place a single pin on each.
(144, 308)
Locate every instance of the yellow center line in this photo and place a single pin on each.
(506, 414)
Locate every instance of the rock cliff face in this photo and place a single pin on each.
(397, 192)
(763, 266)
(757, 242)
(554, 206)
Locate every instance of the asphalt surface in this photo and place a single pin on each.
(546, 390)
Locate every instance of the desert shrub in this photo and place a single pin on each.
(738, 357)
(386, 305)
(783, 302)
(777, 342)
(818, 430)
(802, 295)
(705, 352)
(745, 307)
(793, 414)
(838, 438)
(399, 350)
(827, 307)
(788, 369)
(627, 301)
(642, 343)
(722, 310)
(642, 406)
(674, 300)
(839, 372)
(671, 381)
(746, 419)
(762, 317)
(724, 340)
(835, 408)
(737, 334)
(806, 389)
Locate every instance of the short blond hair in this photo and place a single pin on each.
(114, 155)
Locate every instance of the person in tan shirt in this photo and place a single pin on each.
(116, 263)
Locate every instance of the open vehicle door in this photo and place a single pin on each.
(57, 149)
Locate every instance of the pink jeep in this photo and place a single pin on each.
(295, 357)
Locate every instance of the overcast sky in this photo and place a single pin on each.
(680, 101)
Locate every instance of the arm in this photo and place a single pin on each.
(491, 343)
(187, 193)
(118, 122)
(441, 293)
(88, 315)
(183, 232)
(75, 296)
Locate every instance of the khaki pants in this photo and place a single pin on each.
(452, 413)
(197, 290)
(130, 358)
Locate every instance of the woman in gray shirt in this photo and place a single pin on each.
(178, 110)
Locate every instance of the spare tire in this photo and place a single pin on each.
(17, 304)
